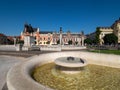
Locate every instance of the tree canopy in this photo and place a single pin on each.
(88, 41)
(70, 42)
(110, 39)
(97, 39)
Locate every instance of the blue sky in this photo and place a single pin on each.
(73, 15)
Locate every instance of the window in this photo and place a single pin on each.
(40, 38)
(48, 38)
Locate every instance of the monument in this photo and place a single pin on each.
(28, 42)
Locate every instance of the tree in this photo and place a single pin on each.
(20, 42)
(88, 41)
(97, 39)
(48, 42)
(70, 42)
(76, 42)
(58, 42)
(110, 39)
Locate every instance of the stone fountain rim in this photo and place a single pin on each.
(60, 62)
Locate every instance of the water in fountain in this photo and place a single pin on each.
(92, 77)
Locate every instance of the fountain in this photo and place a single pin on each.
(70, 65)
(66, 71)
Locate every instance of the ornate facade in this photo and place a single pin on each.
(75, 38)
(50, 38)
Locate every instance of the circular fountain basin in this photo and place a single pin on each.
(19, 76)
(70, 65)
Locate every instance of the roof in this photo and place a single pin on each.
(116, 22)
(2, 34)
(10, 38)
(29, 28)
(45, 32)
(104, 27)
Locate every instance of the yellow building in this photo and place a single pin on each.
(104, 31)
(115, 28)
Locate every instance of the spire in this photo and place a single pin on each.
(60, 29)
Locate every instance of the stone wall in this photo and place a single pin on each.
(68, 47)
(16, 47)
(50, 48)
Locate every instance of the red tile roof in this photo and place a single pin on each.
(2, 34)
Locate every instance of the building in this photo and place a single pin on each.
(30, 31)
(74, 38)
(104, 31)
(46, 38)
(3, 39)
(41, 37)
(6, 39)
(52, 38)
(114, 28)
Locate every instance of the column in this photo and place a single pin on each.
(82, 40)
(60, 35)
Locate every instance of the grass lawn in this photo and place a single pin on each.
(117, 52)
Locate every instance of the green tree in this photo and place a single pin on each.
(88, 41)
(110, 39)
(70, 42)
(76, 42)
(58, 41)
(97, 34)
(48, 42)
(20, 42)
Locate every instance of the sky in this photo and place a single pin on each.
(50, 15)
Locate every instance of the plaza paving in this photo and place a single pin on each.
(10, 58)
(6, 62)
